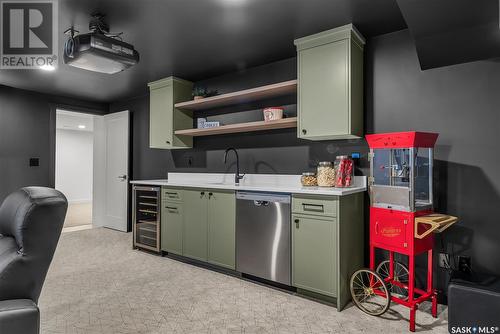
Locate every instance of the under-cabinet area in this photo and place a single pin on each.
(310, 243)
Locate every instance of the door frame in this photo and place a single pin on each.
(52, 144)
(52, 135)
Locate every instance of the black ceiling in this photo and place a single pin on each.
(195, 39)
(448, 32)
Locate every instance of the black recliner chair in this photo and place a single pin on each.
(31, 220)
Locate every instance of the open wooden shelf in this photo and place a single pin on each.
(241, 127)
(243, 96)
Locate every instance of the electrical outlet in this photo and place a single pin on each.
(464, 264)
(444, 260)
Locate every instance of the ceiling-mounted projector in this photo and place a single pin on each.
(99, 50)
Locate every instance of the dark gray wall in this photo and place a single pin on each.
(27, 129)
(459, 102)
(276, 151)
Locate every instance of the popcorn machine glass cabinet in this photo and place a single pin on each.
(402, 178)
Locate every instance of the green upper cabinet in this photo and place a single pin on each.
(222, 228)
(330, 84)
(164, 118)
(195, 243)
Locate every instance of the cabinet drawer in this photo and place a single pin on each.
(315, 205)
(171, 194)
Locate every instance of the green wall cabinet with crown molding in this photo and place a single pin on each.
(330, 84)
(164, 118)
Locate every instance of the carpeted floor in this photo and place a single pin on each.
(78, 214)
(98, 284)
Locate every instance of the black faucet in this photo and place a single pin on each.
(237, 176)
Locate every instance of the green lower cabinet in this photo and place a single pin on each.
(314, 254)
(222, 229)
(171, 227)
(195, 241)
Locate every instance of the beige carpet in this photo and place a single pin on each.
(78, 214)
(98, 284)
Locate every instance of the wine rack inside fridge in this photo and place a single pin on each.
(146, 218)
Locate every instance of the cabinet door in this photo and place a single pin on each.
(195, 224)
(221, 228)
(171, 227)
(324, 91)
(161, 117)
(314, 254)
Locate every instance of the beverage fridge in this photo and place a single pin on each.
(146, 218)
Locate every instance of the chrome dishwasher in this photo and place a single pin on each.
(263, 235)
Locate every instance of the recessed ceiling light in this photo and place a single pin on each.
(81, 126)
(47, 67)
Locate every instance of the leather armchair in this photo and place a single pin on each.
(31, 220)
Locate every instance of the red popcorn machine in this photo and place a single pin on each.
(401, 221)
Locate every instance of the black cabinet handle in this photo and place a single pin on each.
(304, 131)
(210, 195)
(202, 193)
(297, 223)
(167, 141)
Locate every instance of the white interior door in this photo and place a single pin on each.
(111, 160)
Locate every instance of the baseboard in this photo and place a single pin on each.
(80, 201)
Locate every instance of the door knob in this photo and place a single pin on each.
(122, 177)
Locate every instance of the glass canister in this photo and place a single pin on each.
(309, 179)
(344, 170)
(326, 174)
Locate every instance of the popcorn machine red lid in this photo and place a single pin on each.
(402, 139)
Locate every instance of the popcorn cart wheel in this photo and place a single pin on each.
(370, 292)
(401, 275)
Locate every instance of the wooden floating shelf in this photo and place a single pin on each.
(243, 96)
(241, 127)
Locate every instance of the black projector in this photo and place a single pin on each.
(99, 53)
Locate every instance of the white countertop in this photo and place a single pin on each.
(253, 182)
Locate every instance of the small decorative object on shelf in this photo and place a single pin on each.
(200, 122)
(343, 171)
(211, 124)
(309, 179)
(201, 93)
(272, 113)
(326, 174)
